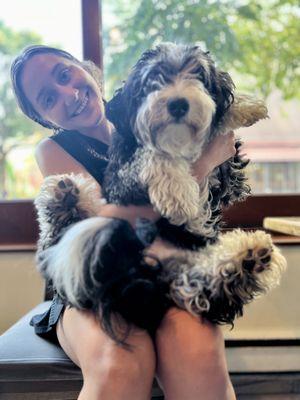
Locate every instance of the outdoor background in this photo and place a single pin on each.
(256, 42)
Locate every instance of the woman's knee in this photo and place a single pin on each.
(193, 349)
(115, 361)
(183, 335)
(83, 339)
(114, 372)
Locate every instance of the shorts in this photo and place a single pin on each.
(45, 324)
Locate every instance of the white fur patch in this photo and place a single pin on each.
(65, 261)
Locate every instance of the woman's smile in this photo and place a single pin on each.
(81, 105)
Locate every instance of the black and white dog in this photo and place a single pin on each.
(173, 103)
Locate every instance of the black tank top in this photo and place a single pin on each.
(89, 152)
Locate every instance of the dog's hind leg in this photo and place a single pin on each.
(99, 264)
(62, 201)
(218, 281)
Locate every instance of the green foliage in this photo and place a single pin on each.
(268, 37)
(256, 41)
(15, 129)
(12, 42)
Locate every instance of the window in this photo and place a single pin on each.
(260, 56)
(35, 22)
(273, 145)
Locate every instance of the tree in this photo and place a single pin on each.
(14, 128)
(249, 38)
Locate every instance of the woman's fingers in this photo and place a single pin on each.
(129, 213)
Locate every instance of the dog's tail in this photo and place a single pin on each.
(99, 264)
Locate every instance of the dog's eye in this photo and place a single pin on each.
(155, 86)
(152, 87)
(198, 71)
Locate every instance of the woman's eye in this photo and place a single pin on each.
(64, 76)
(49, 101)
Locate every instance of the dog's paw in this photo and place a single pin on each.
(64, 202)
(59, 201)
(66, 194)
(257, 260)
(251, 256)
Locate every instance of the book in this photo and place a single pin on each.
(288, 225)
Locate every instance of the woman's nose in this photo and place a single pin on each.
(71, 95)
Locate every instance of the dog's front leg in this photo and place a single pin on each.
(62, 201)
(172, 189)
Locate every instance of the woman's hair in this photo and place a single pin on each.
(17, 68)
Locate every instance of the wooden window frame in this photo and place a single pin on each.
(18, 226)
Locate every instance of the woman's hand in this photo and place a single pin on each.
(158, 248)
(129, 213)
(218, 151)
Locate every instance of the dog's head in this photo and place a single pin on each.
(172, 100)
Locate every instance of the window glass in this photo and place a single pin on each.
(256, 42)
(51, 22)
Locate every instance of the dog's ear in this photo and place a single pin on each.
(218, 83)
(121, 109)
(244, 111)
(116, 111)
(222, 88)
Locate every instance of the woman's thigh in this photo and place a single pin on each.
(81, 337)
(193, 350)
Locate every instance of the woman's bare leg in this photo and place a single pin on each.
(110, 372)
(191, 359)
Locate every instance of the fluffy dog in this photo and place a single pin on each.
(174, 102)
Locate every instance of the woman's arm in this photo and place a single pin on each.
(218, 151)
(53, 159)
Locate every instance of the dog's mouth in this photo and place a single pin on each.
(158, 129)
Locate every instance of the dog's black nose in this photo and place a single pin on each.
(178, 107)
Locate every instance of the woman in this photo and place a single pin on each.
(61, 93)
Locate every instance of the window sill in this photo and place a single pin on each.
(19, 228)
(30, 247)
(278, 239)
(281, 239)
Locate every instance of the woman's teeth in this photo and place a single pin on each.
(82, 106)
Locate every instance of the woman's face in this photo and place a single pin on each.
(62, 92)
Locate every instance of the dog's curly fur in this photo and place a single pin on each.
(174, 102)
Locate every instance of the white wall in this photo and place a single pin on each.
(21, 287)
(275, 315)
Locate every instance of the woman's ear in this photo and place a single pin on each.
(244, 111)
